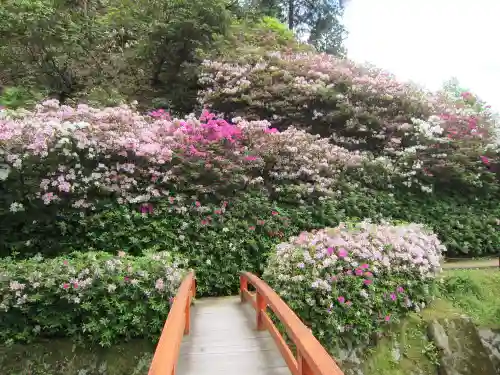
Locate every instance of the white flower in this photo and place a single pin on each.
(16, 207)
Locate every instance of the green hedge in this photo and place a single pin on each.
(92, 296)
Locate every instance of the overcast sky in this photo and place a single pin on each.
(429, 41)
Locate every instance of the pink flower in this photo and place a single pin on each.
(197, 204)
(65, 285)
(125, 278)
(365, 266)
(271, 130)
(274, 213)
(218, 212)
(341, 299)
(260, 222)
(393, 296)
(251, 158)
(65, 262)
(75, 285)
(342, 252)
(368, 274)
(367, 281)
(251, 228)
(348, 303)
(400, 289)
(329, 250)
(359, 272)
(387, 318)
(485, 160)
(204, 222)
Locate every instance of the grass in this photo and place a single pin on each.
(406, 350)
(61, 357)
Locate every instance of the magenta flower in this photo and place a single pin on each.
(274, 213)
(387, 318)
(485, 160)
(393, 296)
(271, 130)
(400, 289)
(359, 272)
(329, 250)
(341, 300)
(146, 208)
(365, 266)
(367, 281)
(251, 158)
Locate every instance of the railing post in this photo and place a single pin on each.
(243, 287)
(303, 366)
(261, 310)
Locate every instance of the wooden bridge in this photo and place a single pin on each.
(227, 336)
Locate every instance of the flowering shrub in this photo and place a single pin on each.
(422, 137)
(83, 154)
(94, 296)
(347, 282)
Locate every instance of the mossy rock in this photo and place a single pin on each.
(460, 346)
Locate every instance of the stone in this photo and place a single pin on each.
(461, 350)
(491, 341)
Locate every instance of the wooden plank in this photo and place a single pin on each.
(224, 340)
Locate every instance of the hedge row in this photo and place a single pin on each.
(90, 296)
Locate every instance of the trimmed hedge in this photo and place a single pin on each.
(91, 296)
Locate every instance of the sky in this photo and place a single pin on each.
(430, 41)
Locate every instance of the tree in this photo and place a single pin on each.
(317, 21)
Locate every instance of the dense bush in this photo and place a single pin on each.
(415, 133)
(109, 51)
(83, 178)
(87, 296)
(347, 282)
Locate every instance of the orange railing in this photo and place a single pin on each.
(177, 325)
(312, 358)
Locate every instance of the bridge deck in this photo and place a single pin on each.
(223, 340)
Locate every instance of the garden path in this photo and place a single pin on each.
(472, 263)
(224, 340)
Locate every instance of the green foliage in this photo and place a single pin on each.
(240, 238)
(122, 47)
(18, 97)
(467, 225)
(475, 293)
(90, 296)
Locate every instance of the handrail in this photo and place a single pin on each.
(176, 326)
(312, 358)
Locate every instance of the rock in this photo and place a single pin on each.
(460, 346)
(491, 341)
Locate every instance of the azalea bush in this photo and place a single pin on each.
(91, 296)
(348, 282)
(421, 137)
